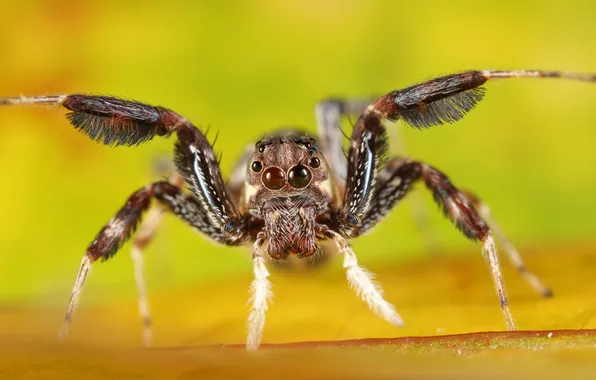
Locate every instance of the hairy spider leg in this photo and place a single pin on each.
(142, 239)
(510, 251)
(398, 178)
(115, 233)
(449, 98)
(75, 295)
(328, 114)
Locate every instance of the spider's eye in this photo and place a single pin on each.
(256, 166)
(274, 178)
(261, 149)
(314, 162)
(299, 176)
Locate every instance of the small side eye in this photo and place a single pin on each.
(256, 166)
(314, 162)
(261, 149)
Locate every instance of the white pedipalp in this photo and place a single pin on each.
(260, 294)
(363, 283)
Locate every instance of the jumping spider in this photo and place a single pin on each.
(290, 192)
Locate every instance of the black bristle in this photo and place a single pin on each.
(112, 131)
(446, 110)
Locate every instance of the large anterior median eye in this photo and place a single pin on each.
(274, 178)
(299, 176)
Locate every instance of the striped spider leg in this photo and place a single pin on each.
(329, 113)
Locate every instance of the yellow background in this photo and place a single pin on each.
(246, 68)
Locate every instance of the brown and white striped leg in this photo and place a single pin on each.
(509, 249)
(489, 251)
(460, 210)
(397, 179)
(115, 233)
(329, 113)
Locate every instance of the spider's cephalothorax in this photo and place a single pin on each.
(287, 194)
(288, 186)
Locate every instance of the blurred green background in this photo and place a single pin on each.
(246, 68)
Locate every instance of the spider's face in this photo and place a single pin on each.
(288, 185)
(286, 166)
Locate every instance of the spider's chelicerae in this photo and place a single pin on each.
(289, 191)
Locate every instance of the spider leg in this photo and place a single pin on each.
(510, 251)
(329, 113)
(110, 120)
(260, 291)
(236, 181)
(113, 235)
(447, 99)
(362, 281)
(143, 237)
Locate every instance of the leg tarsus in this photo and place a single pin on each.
(490, 254)
(84, 271)
(510, 250)
(144, 311)
(144, 236)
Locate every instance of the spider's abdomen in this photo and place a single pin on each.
(290, 228)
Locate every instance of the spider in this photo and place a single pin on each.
(289, 192)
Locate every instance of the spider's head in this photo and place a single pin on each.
(286, 165)
(288, 185)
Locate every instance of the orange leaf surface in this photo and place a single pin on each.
(200, 330)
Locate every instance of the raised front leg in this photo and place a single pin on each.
(114, 121)
(447, 99)
(109, 120)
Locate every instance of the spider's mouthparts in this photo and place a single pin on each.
(290, 229)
